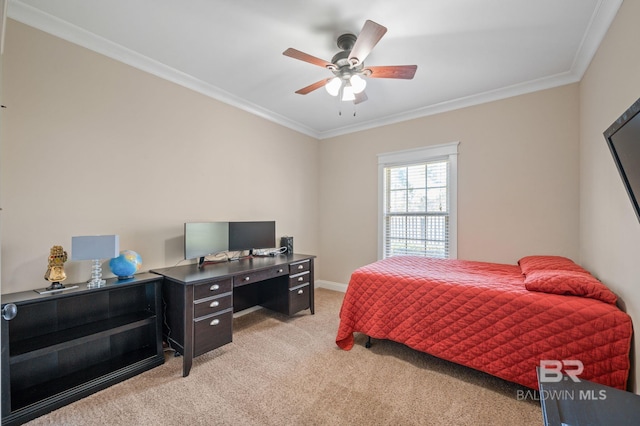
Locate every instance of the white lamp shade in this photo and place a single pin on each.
(358, 83)
(95, 247)
(347, 93)
(333, 86)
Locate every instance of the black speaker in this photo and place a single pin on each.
(288, 243)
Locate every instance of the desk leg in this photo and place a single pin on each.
(187, 356)
(187, 361)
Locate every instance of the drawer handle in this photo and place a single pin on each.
(214, 304)
(279, 271)
(214, 287)
(300, 266)
(300, 279)
(301, 291)
(215, 322)
(247, 278)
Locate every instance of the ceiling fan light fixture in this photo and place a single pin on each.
(333, 86)
(357, 83)
(348, 93)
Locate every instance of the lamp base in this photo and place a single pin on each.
(96, 283)
(96, 275)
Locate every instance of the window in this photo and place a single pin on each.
(418, 202)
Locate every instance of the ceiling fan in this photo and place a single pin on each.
(348, 65)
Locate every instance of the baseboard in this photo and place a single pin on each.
(330, 285)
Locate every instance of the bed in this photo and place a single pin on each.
(498, 318)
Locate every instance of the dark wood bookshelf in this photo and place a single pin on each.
(66, 345)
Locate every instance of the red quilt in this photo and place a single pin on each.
(482, 316)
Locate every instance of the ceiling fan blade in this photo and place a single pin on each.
(392, 71)
(367, 39)
(310, 88)
(296, 54)
(360, 97)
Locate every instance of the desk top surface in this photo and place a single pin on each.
(190, 274)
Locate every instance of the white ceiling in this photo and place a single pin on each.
(467, 51)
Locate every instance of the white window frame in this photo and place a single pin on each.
(448, 151)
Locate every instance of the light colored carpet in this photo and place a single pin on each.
(288, 371)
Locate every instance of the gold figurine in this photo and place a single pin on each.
(55, 271)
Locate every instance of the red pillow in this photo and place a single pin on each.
(541, 263)
(569, 283)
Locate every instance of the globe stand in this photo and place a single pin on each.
(125, 277)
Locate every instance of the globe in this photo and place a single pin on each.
(126, 264)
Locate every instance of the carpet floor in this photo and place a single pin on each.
(288, 371)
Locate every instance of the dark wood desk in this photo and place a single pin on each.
(586, 403)
(200, 302)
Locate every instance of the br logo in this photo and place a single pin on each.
(551, 370)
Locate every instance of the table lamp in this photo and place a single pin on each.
(95, 248)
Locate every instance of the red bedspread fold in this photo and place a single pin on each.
(480, 315)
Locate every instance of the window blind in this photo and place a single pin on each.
(417, 209)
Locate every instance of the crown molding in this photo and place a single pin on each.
(455, 104)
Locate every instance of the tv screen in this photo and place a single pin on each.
(205, 238)
(623, 138)
(252, 235)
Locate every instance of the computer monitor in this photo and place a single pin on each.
(252, 235)
(205, 238)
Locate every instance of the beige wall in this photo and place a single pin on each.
(517, 181)
(93, 146)
(609, 229)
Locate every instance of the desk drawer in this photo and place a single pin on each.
(211, 288)
(299, 299)
(296, 268)
(212, 332)
(299, 279)
(255, 276)
(204, 307)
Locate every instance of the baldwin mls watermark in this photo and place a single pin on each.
(551, 370)
(554, 371)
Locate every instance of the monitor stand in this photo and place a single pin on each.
(202, 262)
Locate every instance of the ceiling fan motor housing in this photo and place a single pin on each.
(344, 69)
(346, 41)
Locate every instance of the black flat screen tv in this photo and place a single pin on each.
(252, 235)
(623, 138)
